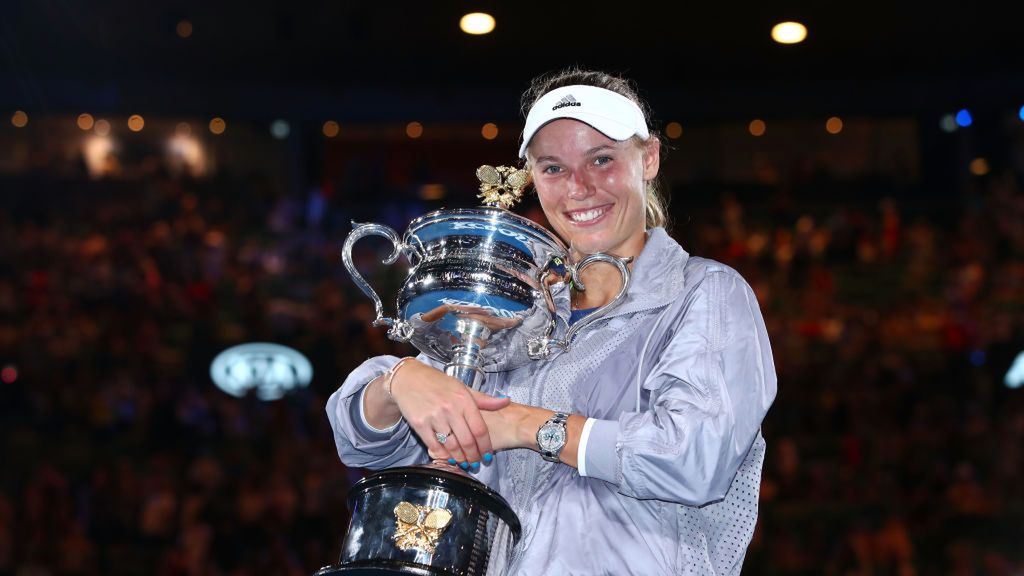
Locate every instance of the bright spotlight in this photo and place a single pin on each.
(477, 23)
(789, 32)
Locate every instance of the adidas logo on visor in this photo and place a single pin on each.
(566, 100)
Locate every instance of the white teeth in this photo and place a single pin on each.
(586, 216)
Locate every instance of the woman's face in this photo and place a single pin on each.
(593, 188)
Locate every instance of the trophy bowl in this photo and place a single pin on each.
(479, 276)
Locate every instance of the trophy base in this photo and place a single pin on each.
(431, 520)
(381, 569)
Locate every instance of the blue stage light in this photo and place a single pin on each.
(963, 118)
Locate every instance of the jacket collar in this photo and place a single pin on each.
(657, 277)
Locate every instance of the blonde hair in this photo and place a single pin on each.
(656, 206)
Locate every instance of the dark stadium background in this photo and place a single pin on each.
(888, 256)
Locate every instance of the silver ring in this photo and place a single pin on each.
(441, 437)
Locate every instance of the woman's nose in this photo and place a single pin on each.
(579, 186)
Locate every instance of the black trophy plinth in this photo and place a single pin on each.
(423, 520)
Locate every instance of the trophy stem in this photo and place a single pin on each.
(466, 355)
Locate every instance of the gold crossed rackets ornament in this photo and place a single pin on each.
(419, 527)
(501, 186)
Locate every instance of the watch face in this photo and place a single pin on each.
(551, 436)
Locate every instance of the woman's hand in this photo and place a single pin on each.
(508, 424)
(516, 426)
(432, 402)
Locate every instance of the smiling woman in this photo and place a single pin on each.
(620, 115)
(647, 430)
(591, 187)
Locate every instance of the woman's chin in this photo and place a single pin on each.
(583, 248)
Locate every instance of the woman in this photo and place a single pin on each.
(639, 450)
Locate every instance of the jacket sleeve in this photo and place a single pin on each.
(359, 445)
(710, 390)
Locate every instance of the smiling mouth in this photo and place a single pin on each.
(588, 215)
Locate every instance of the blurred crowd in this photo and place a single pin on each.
(894, 446)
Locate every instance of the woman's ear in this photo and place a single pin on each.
(651, 158)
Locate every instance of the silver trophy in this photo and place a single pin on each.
(479, 297)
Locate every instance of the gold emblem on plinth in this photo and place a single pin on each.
(419, 527)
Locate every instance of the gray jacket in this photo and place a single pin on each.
(677, 380)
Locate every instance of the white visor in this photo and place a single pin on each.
(610, 113)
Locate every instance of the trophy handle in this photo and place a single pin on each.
(540, 348)
(622, 265)
(399, 329)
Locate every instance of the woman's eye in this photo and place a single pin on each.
(602, 160)
(552, 169)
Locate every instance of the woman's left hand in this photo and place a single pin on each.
(502, 424)
(512, 426)
(516, 426)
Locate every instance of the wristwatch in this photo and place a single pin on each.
(552, 436)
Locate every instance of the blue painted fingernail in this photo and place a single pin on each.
(502, 395)
(464, 465)
(488, 456)
(453, 461)
(475, 465)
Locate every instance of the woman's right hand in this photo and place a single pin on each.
(432, 402)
